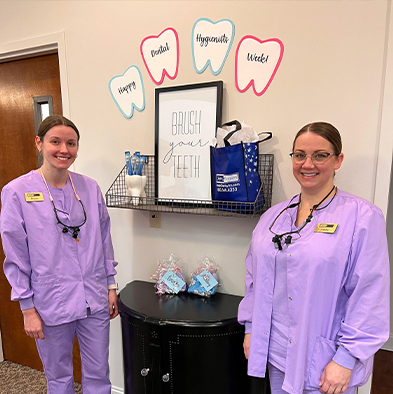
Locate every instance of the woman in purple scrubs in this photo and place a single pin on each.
(59, 260)
(316, 305)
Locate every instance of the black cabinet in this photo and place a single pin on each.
(175, 344)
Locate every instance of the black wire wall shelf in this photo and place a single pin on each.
(116, 196)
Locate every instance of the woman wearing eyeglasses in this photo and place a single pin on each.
(316, 306)
(59, 260)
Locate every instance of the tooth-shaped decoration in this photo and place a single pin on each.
(211, 43)
(161, 55)
(256, 63)
(128, 92)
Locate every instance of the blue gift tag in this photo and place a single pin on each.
(173, 281)
(207, 280)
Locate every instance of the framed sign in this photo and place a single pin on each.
(186, 121)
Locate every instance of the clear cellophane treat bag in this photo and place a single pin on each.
(204, 280)
(169, 276)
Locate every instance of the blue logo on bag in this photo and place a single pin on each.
(225, 178)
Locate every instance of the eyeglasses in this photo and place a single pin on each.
(316, 158)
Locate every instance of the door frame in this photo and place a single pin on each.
(37, 46)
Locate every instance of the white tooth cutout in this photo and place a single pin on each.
(211, 43)
(161, 55)
(256, 63)
(128, 92)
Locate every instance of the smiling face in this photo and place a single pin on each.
(315, 178)
(59, 147)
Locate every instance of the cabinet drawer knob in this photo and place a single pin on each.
(145, 371)
(165, 378)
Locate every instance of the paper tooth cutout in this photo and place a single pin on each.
(128, 92)
(161, 55)
(211, 43)
(256, 63)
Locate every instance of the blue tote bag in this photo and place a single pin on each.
(235, 175)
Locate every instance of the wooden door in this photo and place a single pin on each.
(20, 81)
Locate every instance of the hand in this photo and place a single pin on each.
(112, 299)
(34, 327)
(335, 379)
(246, 344)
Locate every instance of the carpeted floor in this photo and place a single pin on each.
(19, 379)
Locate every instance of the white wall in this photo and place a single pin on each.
(333, 69)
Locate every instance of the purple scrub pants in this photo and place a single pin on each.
(56, 354)
(277, 378)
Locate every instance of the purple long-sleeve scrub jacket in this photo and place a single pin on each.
(338, 291)
(47, 268)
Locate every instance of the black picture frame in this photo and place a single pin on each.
(186, 121)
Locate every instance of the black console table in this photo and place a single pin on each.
(177, 344)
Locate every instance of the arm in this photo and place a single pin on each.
(110, 263)
(17, 267)
(246, 305)
(365, 326)
(107, 246)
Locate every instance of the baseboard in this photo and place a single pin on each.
(117, 390)
(389, 344)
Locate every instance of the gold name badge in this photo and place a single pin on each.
(328, 228)
(29, 197)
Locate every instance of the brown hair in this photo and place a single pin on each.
(52, 121)
(325, 130)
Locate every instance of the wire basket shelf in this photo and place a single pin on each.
(116, 196)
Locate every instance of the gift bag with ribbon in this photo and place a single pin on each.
(234, 165)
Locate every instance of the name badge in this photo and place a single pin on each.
(29, 197)
(328, 228)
